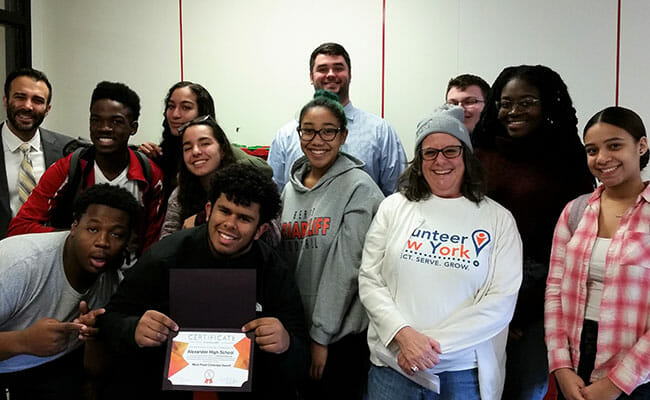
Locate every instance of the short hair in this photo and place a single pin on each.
(329, 100)
(35, 74)
(119, 92)
(625, 119)
(415, 188)
(466, 80)
(330, 49)
(244, 184)
(191, 194)
(110, 196)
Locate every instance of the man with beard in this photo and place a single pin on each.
(27, 101)
(370, 138)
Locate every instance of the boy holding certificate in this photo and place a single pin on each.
(137, 322)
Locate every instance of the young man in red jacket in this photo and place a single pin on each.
(114, 112)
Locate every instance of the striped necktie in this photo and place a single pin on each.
(26, 180)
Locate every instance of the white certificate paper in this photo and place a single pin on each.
(209, 360)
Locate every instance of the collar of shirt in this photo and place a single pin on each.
(350, 111)
(13, 142)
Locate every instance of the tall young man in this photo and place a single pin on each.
(370, 138)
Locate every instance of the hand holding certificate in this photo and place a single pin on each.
(212, 351)
(204, 359)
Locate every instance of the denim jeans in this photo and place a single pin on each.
(386, 384)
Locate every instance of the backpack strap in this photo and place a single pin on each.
(145, 164)
(61, 214)
(577, 209)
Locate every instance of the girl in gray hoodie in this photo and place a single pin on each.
(327, 209)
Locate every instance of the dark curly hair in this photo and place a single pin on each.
(172, 157)
(625, 119)
(329, 100)
(119, 92)
(243, 185)
(559, 121)
(191, 194)
(108, 195)
(415, 188)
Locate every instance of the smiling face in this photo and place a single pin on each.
(443, 175)
(201, 151)
(98, 239)
(332, 73)
(524, 115)
(110, 126)
(26, 106)
(321, 154)
(462, 97)
(232, 228)
(613, 154)
(182, 107)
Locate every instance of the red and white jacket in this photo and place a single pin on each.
(35, 214)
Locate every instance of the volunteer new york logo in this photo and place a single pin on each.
(446, 250)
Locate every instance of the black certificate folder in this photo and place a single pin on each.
(210, 353)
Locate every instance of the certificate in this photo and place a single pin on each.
(209, 360)
(210, 351)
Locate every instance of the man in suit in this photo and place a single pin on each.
(27, 101)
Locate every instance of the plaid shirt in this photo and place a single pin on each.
(623, 351)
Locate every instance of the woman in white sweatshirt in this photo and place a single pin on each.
(439, 276)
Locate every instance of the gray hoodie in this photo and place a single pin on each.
(323, 231)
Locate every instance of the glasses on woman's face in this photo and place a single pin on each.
(523, 104)
(430, 154)
(469, 102)
(326, 134)
(195, 121)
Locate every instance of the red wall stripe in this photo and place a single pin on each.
(180, 27)
(618, 49)
(383, 55)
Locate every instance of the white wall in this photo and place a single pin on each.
(253, 54)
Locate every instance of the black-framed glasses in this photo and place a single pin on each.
(523, 104)
(430, 154)
(195, 121)
(327, 134)
(467, 103)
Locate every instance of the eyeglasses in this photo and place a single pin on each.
(467, 103)
(523, 104)
(449, 152)
(327, 134)
(195, 121)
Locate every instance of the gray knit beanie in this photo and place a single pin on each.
(444, 119)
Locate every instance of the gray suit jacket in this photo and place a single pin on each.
(52, 144)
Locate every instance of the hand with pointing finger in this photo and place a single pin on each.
(48, 336)
(88, 318)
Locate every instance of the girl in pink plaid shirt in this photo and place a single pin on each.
(597, 308)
